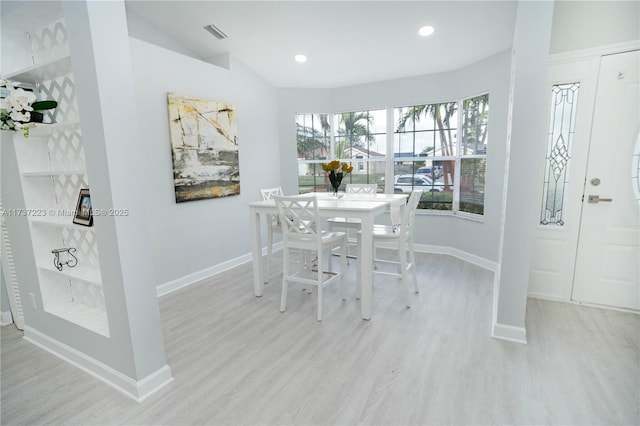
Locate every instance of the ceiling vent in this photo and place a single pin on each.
(215, 31)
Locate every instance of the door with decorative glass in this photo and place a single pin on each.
(608, 257)
(588, 251)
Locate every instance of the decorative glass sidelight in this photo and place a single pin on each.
(564, 103)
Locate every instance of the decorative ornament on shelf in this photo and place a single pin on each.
(336, 172)
(70, 261)
(19, 108)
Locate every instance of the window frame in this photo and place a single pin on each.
(389, 160)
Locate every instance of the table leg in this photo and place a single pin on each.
(366, 260)
(256, 251)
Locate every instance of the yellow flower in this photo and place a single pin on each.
(337, 167)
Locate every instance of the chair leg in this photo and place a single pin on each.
(307, 257)
(359, 268)
(269, 254)
(412, 259)
(320, 286)
(346, 230)
(285, 275)
(343, 266)
(402, 252)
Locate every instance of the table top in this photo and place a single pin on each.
(353, 202)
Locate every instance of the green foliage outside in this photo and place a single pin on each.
(353, 131)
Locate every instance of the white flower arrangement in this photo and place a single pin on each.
(16, 108)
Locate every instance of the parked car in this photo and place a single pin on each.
(433, 173)
(406, 183)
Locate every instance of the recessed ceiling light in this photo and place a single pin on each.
(300, 58)
(427, 30)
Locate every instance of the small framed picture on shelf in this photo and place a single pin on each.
(83, 214)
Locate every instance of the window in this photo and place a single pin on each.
(357, 138)
(440, 148)
(314, 147)
(425, 139)
(473, 154)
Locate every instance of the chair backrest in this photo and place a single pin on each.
(300, 219)
(406, 227)
(269, 194)
(362, 188)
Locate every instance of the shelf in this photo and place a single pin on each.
(58, 221)
(47, 70)
(46, 129)
(83, 273)
(53, 173)
(90, 318)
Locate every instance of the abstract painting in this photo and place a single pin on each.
(204, 147)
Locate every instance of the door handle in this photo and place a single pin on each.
(597, 199)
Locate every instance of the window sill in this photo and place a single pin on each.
(459, 215)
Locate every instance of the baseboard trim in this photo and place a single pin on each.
(136, 390)
(545, 296)
(6, 318)
(509, 333)
(459, 254)
(194, 278)
(187, 280)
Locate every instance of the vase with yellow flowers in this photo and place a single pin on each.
(336, 172)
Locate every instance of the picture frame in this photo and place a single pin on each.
(203, 134)
(84, 213)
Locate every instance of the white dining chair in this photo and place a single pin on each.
(273, 223)
(352, 223)
(399, 238)
(302, 232)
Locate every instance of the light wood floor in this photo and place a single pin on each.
(237, 360)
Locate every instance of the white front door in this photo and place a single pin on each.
(588, 252)
(571, 88)
(608, 258)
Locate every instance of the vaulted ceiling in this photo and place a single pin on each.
(346, 42)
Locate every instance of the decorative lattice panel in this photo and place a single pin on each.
(84, 240)
(48, 42)
(67, 188)
(66, 151)
(88, 294)
(63, 90)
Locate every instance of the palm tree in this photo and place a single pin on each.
(475, 112)
(352, 128)
(442, 115)
(311, 142)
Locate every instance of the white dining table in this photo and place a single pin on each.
(365, 207)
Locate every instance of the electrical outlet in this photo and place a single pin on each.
(33, 301)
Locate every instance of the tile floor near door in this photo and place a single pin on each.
(237, 360)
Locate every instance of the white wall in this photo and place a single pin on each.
(525, 147)
(190, 237)
(586, 24)
(490, 75)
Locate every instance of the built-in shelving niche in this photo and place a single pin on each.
(52, 169)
